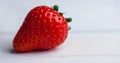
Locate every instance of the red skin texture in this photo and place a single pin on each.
(43, 28)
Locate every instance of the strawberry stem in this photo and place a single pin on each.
(56, 7)
(69, 19)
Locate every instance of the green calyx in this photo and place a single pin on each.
(69, 19)
(61, 13)
(55, 7)
(69, 27)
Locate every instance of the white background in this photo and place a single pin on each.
(94, 38)
(88, 15)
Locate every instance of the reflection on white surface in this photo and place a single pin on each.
(79, 46)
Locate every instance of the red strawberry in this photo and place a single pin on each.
(43, 28)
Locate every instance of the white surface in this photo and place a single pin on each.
(80, 47)
(97, 39)
(86, 14)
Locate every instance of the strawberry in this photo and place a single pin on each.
(43, 28)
